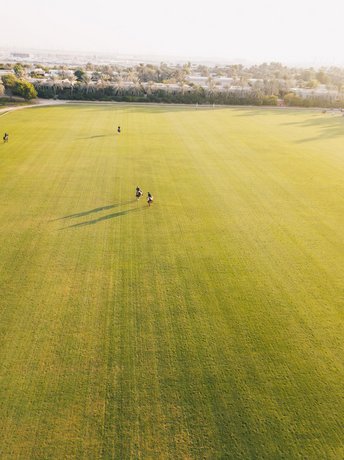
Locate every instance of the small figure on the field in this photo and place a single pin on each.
(5, 138)
(149, 199)
(138, 192)
(119, 130)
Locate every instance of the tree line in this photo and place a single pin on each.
(193, 95)
(139, 93)
(264, 84)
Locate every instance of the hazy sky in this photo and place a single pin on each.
(256, 30)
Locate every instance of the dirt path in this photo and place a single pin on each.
(38, 103)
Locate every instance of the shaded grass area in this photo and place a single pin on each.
(207, 326)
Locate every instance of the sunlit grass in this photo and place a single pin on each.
(207, 326)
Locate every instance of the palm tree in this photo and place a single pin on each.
(72, 78)
(137, 85)
(211, 85)
(55, 85)
(101, 83)
(87, 82)
(243, 84)
(119, 85)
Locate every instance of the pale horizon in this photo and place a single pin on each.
(292, 33)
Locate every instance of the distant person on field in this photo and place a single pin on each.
(138, 192)
(119, 130)
(149, 199)
(5, 138)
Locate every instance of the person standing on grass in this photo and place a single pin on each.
(5, 138)
(138, 192)
(149, 199)
(119, 130)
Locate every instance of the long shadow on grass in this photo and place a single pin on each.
(328, 128)
(95, 210)
(97, 136)
(108, 217)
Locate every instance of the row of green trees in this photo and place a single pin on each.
(292, 100)
(196, 95)
(272, 72)
(140, 93)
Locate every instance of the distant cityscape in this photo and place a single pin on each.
(60, 57)
(76, 58)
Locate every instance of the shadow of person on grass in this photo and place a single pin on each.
(107, 217)
(95, 210)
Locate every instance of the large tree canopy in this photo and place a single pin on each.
(19, 87)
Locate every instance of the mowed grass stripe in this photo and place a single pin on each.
(248, 232)
(208, 326)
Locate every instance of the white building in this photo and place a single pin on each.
(320, 91)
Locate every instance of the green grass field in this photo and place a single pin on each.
(209, 326)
